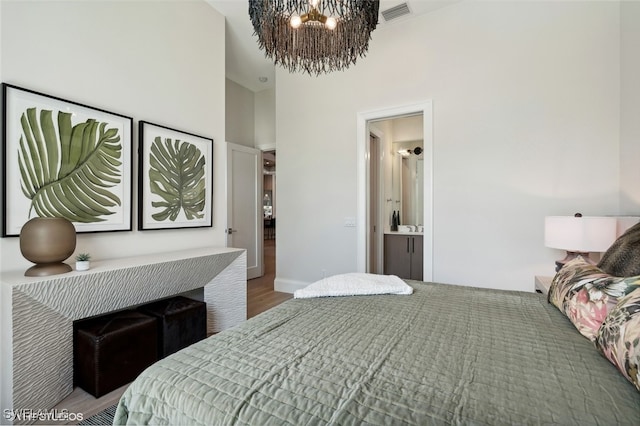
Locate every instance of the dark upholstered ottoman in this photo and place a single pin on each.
(181, 322)
(111, 350)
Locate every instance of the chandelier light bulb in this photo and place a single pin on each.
(314, 3)
(331, 23)
(295, 21)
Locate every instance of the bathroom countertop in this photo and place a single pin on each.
(403, 233)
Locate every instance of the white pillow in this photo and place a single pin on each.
(354, 284)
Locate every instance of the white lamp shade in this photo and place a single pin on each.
(580, 234)
(626, 222)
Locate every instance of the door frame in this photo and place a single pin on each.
(363, 161)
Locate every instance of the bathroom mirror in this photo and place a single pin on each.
(407, 181)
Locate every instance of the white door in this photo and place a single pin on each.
(244, 204)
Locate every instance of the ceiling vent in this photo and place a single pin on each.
(396, 12)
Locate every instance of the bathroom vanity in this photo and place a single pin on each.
(403, 254)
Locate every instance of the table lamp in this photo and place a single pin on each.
(579, 235)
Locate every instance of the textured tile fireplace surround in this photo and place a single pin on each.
(38, 313)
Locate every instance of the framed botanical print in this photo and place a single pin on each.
(64, 159)
(175, 184)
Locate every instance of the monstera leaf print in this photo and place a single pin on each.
(66, 169)
(177, 176)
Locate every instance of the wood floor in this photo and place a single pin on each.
(260, 293)
(260, 297)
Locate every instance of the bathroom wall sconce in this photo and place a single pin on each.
(407, 152)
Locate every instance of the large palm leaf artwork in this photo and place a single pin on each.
(67, 170)
(177, 176)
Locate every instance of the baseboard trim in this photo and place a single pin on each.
(288, 286)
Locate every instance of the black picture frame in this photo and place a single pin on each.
(65, 159)
(175, 178)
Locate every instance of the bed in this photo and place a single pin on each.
(445, 354)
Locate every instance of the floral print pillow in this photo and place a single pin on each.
(586, 294)
(619, 337)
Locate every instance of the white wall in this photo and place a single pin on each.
(265, 119)
(250, 118)
(240, 114)
(526, 99)
(157, 61)
(630, 124)
(407, 128)
(160, 61)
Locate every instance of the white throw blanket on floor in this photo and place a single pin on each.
(354, 284)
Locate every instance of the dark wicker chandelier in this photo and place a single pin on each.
(314, 36)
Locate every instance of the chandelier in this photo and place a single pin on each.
(314, 36)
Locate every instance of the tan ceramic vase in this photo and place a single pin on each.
(47, 242)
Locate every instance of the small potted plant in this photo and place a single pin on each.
(83, 261)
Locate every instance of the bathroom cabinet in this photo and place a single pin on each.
(403, 255)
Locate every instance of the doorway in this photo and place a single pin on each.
(269, 197)
(366, 161)
(270, 213)
(261, 294)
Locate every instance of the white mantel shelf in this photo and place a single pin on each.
(38, 312)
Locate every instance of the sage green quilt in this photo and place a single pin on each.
(444, 355)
